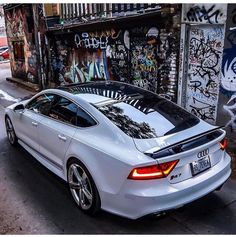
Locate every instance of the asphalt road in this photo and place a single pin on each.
(35, 201)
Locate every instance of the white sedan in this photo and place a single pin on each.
(121, 148)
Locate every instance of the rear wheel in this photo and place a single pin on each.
(11, 135)
(82, 187)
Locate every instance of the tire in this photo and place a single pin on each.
(82, 187)
(11, 135)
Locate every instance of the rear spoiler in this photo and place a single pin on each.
(177, 147)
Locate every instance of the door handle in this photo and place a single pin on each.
(35, 124)
(62, 137)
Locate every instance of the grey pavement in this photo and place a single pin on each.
(12, 89)
(35, 201)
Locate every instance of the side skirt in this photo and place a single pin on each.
(52, 166)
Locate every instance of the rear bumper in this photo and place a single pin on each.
(137, 199)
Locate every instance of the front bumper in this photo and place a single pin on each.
(140, 198)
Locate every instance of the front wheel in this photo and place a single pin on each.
(11, 135)
(83, 188)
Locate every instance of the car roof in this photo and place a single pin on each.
(137, 107)
(101, 93)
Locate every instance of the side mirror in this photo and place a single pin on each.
(19, 108)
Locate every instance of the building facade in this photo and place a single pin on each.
(141, 49)
(207, 79)
(3, 36)
(25, 32)
(226, 112)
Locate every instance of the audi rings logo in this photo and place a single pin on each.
(203, 153)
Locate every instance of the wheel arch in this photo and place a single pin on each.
(6, 116)
(71, 158)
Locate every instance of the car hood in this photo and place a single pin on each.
(154, 144)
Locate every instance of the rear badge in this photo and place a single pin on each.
(175, 176)
(203, 153)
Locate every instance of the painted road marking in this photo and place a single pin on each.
(5, 96)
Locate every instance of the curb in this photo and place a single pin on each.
(5, 61)
(30, 86)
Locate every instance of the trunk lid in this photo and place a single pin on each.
(152, 145)
(191, 146)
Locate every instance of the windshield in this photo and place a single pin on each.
(3, 49)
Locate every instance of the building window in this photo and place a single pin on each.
(18, 50)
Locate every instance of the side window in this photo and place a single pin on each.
(84, 120)
(41, 104)
(66, 111)
(63, 110)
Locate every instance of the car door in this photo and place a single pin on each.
(57, 130)
(29, 121)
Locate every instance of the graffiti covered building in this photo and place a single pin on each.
(184, 52)
(141, 50)
(207, 59)
(23, 33)
(227, 95)
(186, 55)
(3, 36)
(203, 36)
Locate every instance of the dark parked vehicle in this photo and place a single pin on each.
(4, 53)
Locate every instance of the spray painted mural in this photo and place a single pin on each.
(92, 56)
(203, 78)
(118, 56)
(228, 73)
(20, 34)
(204, 13)
(154, 60)
(145, 56)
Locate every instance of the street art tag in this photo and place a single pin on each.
(228, 74)
(203, 77)
(204, 13)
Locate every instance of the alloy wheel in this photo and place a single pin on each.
(80, 186)
(10, 132)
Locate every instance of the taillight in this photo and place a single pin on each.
(223, 144)
(168, 166)
(153, 172)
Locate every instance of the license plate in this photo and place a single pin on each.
(200, 165)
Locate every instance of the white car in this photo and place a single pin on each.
(121, 148)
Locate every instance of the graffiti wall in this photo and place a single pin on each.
(204, 39)
(118, 56)
(145, 56)
(227, 98)
(101, 55)
(205, 52)
(3, 37)
(154, 59)
(204, 13)
(21, 40)
(144, 42)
